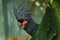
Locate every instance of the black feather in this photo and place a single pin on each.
(22, 12)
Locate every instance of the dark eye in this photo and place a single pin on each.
(20, 20)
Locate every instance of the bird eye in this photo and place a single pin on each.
(20, 20)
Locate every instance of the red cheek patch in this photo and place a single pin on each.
(24, 23)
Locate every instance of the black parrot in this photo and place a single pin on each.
(23, 15)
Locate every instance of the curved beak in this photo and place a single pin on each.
(24, 23)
